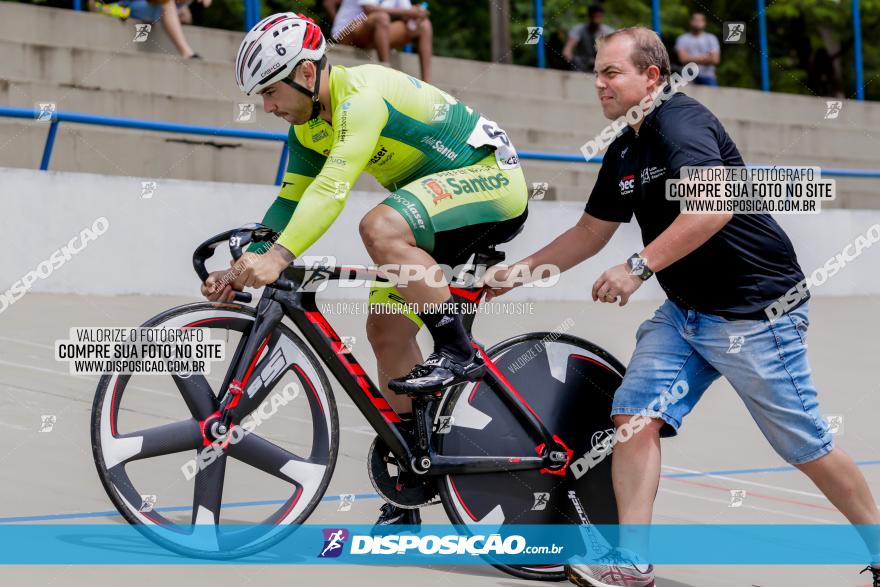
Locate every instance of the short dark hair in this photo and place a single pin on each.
(648, 49)
(595, 9)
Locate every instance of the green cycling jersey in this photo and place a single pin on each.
(388, 124)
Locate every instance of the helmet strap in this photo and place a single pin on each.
(313, 94)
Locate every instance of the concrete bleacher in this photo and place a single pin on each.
(88, 63)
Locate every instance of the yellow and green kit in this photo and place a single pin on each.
(451, 173)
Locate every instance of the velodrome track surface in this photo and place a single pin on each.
(51, 476)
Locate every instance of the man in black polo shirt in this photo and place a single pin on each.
(720, 273)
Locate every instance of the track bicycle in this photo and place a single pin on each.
(495, 451)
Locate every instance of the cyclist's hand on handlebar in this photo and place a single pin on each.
(218, 287)
(255, 270)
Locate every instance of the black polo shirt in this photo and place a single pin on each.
(739, 271)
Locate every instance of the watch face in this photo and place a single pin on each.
(636, 265)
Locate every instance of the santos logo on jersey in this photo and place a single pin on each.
(478, 184)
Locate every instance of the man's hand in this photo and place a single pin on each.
(255, 270)
(495, 279)
(616, 282)
(418, 13)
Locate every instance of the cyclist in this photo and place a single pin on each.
(454, 180)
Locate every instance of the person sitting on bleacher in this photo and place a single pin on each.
(381, 25)
(171, 13)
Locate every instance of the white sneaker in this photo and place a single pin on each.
(613, 569)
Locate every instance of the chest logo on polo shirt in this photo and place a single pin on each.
(627, 185)
(651, 173)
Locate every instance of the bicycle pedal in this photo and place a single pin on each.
(430, 396)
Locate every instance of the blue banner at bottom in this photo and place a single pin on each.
(96, 544)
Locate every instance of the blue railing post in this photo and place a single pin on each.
(765, 56)
(77, 5)
(251, 13)
(857, 49)
(248, 17)
(50, 142)
(282, 165)
(539, 22)
(655, 15)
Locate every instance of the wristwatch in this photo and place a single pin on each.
(639, 266)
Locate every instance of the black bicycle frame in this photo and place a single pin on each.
(297, 301)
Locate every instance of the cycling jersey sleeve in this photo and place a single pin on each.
(302, 166)
(357, 124)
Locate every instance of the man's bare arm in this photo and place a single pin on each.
(575, 245)
(568, 50)
(331, 6)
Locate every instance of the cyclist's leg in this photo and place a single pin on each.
(392, 330)
(415, 220)
(432, 214)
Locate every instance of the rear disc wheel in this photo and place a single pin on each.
(569, 383)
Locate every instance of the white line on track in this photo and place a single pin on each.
(27, 342)
(751, 507)
(744, 482)
(339, 403)
(362, 430)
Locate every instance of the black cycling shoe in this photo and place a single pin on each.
(875, 571)
(393, 516)
(437, 373)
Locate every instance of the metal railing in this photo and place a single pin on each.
(54, 119)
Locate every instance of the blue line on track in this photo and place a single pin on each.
(784, 469)
(241, 504)
(114, 513)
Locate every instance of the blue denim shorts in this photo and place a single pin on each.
(143, 10)
(680, 352)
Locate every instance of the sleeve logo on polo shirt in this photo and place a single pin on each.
(627, 185)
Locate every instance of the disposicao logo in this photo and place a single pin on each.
(334, 542)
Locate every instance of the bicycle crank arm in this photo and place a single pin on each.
(448, 465)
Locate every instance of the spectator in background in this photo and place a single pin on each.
(700, 47)
(580, 50)
(381, 25)
(172, 13)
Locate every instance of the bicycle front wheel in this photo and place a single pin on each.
(569, 383)
(205, 501)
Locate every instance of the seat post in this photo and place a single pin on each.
(483, 260)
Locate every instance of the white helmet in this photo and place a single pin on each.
(276, 45)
